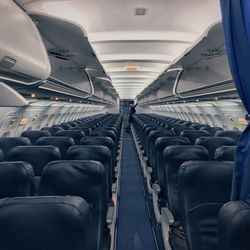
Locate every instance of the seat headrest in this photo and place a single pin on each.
(33, 135)
(192, 135)
(7, 143)
(198, 126)
(234, 134)
(53, 130)
(66, 126)
(98, 140)
(211, 130)
(90, 152)
(225, 153)
(78, 178)
(105, 133)
(17, 179)
(162, 142)
(148, 130)
(177, 129)
(37, 156)
(212, 143)
(234, 225)
(45, 223)
(183, 153)
(153, 135)
(63, 143)
(75, 134)
(86, 130)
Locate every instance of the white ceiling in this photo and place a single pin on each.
(151, 42)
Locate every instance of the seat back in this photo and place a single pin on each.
(212, 130)
(160, 144)
(66, 126)
(61, 142)
(37, 156)
(53, 130)
(234, 134)
(197, 126)
(95, 153)
(203, 187)
(192, 135)
(174, 156)
(212, 143)
(225, 153)
(17, 179)
(45, 223)
(79, 178)
(234, 226)
(33, 135)
(76, 135)
(7, 143)
(86, 130)
(1, 155)
(152, 137)
(177, 129)
(101, 141)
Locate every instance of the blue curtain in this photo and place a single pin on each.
(236, 23)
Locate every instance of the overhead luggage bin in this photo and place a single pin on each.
(18, 58)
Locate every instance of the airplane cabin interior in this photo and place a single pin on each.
(124, 125)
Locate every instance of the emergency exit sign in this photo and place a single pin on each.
(132, 68)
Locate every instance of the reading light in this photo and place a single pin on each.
(33, 95)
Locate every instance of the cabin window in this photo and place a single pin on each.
(51, 120)
(197, 119)
(210, 120)
(203, 118)
(44, 121)
(6, 134)
(220, 121)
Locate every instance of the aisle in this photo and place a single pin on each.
(134, 229)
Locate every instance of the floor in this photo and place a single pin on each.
(135, 231)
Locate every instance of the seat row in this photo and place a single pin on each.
(59, 185)
(188, 168)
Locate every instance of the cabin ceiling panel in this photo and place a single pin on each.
(125, 43)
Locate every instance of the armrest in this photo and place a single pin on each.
(150, 170)
(155, 192)
(156, 188)
(167, 216)
(114, 187)
(110, 215)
